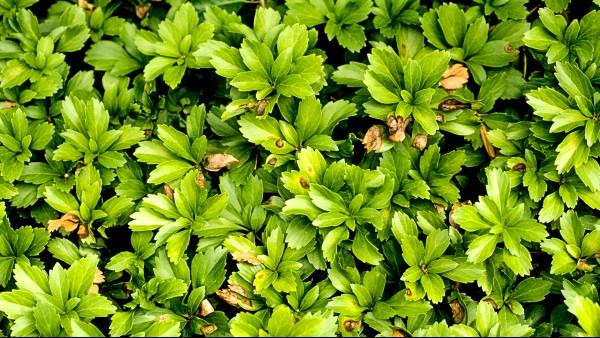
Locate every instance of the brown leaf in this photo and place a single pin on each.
(216, 162)
(83, 231)
(85, 5)
(351, 325)
(142, 10)
(489, 148)
(397, 128)
(206, 308)
(69, 222)
(398, 332)
(451, 105)
(455, 77)
(8, 104)
(99, 277)
(420, 141)
(458, 312)
(373, 138)
(235, 299)
(245, 257)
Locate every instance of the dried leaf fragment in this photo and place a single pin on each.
(397, 128)
(142, 10)
(206, 308)
(245, 257)
(373, 138)
(458, 312)
(420, 141)
(69, 222)
(216, 162)
(351, 325)
(455, 77)
(489, 148)
(85, 5)
(98, 279)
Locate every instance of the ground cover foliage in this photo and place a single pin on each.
(299, 167)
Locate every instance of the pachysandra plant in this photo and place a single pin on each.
(469, 39)
(498, 217)
(174, 45)
(342, 19)
(268, 65)
(299, 168)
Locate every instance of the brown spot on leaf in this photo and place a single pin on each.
(245, 257)
(169, 191)
(200, 180)
(216, 162)
(492, 303)
(373, 138)
(279, 143)
(455, 77)
(208, 329)
(520, 167)
(69, 222)
(303, 182)
(260, 109)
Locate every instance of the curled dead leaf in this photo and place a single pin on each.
(458, 312)
(489, 148)
(451, 105)
(373, 138)
(69, 222)
(245, 257)
(351, 325)
(455, 77)
(216, 162)
(520, 167)
(85, 5)
(83, 231)
(142, 10)
(397, 128)
(420, 141)
(206, 308)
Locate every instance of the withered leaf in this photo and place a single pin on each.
(216, 162)
(397, 128)
(455, 77)
(69, 222)
(489, 148)
(373, 138)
